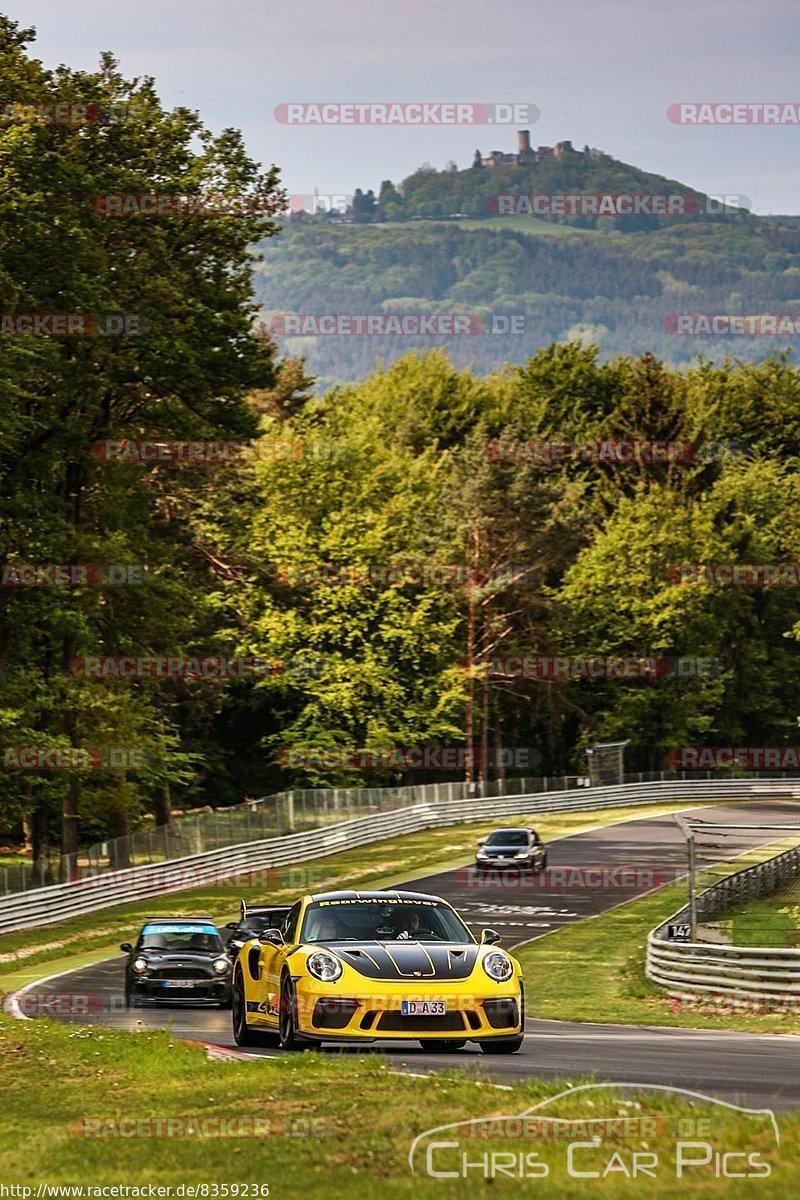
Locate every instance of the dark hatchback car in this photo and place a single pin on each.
(252, 922)
(519, 848)
(175, 960)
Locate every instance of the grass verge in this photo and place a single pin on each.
(101, 1108)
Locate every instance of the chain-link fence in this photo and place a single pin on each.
(295, 812)
(743, 880)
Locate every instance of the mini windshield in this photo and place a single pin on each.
(507, 837)
(383, 920)
(178, 938)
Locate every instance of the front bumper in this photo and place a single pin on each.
(493, 1012)
(210, 990)
(502, 864)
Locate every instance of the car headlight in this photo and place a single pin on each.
(324, 966)
(221, 965)
(140, 964)
(482, 855)
(498, 967)
(521, 854)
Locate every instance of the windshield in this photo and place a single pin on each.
(507, 837)
(173, 937)
(383, 920)
(256, 924)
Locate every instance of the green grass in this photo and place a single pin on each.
(594, 970)
(381, 864)
(772, 921)
(329, 1125)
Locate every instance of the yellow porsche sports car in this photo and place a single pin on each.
(377, 966)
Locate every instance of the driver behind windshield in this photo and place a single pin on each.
(408, 926)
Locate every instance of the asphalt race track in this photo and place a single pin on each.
(600, 869)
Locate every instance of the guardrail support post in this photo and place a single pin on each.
(692, 887)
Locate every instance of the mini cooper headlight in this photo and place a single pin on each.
(498, 967)
(221, 965)
(140, 965)
(521, 854)
(482, 855)
(324, 966)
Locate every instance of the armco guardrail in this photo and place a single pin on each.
(46, 905)
(693, 968)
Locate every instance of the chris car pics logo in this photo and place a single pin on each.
(703, 1146)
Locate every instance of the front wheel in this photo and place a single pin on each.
(243, 1035)
(287, 1020)
(433, 1045)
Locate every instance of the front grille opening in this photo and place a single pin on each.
(180, 973)
(395, 1022)
(474, 1020)
(502, 1012)
(368, 1019)
(333, 1012)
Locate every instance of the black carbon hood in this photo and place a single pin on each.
(408, 960)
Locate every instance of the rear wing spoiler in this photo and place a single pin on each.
(276, 913)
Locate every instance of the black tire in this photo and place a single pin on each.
(243, 1035)
(433, 1045)
(287, 1020)
(506, 1047)
(543, 863)
(227, 1003)
(128, 999)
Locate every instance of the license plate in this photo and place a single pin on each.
(423, 1008)
(177, 983)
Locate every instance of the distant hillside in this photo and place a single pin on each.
(611, 280)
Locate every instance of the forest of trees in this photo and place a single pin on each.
(567, 557)
(610, 289)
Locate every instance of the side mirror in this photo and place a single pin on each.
(271, 937)
(483, 841)
(230, 925)
(126, 946)
(489, 937)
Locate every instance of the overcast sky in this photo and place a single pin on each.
(600, 71)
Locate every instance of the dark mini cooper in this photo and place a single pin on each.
(520, 848)
(177, 959)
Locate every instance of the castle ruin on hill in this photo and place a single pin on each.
(526, 153)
